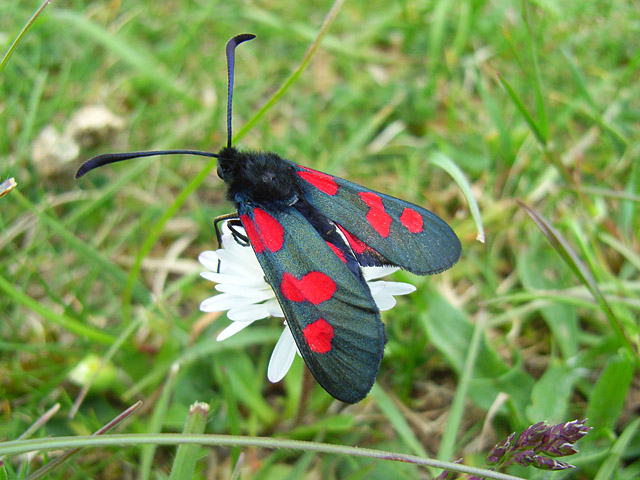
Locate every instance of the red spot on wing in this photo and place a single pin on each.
(377, 217)
(356, 245)
(271, 232)
(337, 251)
(265, 232)
(319, 335)
(314, 287)
(412, 220)
(323, 182)
(252, 232)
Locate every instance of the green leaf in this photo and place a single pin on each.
(245, 383)
(551, 394)
(614, 459)
(451, 333)
(608, 396)
(538, 270)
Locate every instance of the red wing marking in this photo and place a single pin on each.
(356, 245)
(338, 252)
(271, 232)
(377, 217)
(319, 335)
(252, 232)
(412, 220)
(323, 182)
(314, 287)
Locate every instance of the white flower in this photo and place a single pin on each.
(247, 297)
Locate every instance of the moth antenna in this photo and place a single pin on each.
(231, 60)
(107, 158)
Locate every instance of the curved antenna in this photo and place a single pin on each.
(107, 158)
(231, 60)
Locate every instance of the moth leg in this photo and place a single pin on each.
(218, 220)
(240, 238)
(233, 221)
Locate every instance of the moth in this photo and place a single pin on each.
(312, 232)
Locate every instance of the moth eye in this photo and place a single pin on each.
(220, 174)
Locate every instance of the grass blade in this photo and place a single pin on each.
(539, 134)
(570, 257)
(614, 458)
(138, 290)
(26, 27)
(143, 63)
(457, 412)
(618, 140)
(35, 426)
(41, 472)
(331, 16)
(460, 178)
(536, 81)
(47, 444)
(157, 419)
(105, 359)
(68, 323)
(185, 463)
(397, 420)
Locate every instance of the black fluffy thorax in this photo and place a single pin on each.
(257, 177)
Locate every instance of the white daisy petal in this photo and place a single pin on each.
(275, 310)
(385, 302)
(391, 288)
(239, 261)
(371, 273)
(383, 293)
(256, 294)
(376, 287)
(218, 303)
(282, 356)
(247, 313)
(232, 279)
(209, 259)
(231, 330)
(399, 288)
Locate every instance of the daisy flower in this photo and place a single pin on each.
(247, 297)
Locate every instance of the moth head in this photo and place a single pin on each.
(227, 164)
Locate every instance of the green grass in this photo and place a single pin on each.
(533, 102)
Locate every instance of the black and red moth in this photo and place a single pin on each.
(311, 233)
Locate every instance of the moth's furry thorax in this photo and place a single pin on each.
(257, 177)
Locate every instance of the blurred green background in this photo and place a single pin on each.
(537, 101)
